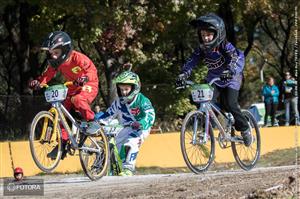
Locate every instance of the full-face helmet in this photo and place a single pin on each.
(128, 78)
(57, 40)
(213, 23)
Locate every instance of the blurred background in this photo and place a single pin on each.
(153, 35)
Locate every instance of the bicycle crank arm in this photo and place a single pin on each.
(89, 149)
(237, 139)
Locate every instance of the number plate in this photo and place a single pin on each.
(202, 92)
(56, 93)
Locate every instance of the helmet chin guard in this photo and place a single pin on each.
(128, 78)
(210, 22)
(57, 40)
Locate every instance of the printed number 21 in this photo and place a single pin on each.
(201, 94)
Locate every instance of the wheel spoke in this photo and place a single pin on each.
(247, 157)
(95, 164)
(40, 150)
(197, 156)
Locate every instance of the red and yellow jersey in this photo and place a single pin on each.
(77, 65)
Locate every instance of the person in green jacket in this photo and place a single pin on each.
(135, 112)
(270, 94)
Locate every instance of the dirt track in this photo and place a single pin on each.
(227, 184)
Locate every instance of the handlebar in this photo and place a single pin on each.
(68, 83)
(109, 129)
(188, 83)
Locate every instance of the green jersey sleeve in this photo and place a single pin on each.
(148, 113)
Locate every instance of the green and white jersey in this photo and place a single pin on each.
(140, 109)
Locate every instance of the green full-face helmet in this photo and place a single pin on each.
(128, 78)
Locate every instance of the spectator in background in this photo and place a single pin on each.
(289, 97)
(270, 94)
(97, 109)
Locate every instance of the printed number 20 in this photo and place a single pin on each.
(55, 93)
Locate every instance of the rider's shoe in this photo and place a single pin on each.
(53, 153)
(126, 172)
(247, 137)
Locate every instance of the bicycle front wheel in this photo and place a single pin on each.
(94, 156)
(115, 166)
(43, 140)
(247, 157)
(197, 146)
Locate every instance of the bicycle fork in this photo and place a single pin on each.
(116, 164)
(47, 130)
(204, 137)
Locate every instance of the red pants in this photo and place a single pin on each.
(80, 102)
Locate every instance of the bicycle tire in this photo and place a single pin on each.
(41, 122)
(239, 149)
(91, 171)
(203, 150)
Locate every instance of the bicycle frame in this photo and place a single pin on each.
(60, 113)
(210, 110)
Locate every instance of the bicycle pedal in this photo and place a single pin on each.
(70, 149)
(238, 139)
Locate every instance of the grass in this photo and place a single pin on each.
(277, 158)
(280, 158)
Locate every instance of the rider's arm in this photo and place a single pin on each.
(47, 75)
(234, 58)
(87, 65)
(192, 62)
(111, 111)
(147, 121)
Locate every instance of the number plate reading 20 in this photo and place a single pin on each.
(202, 92)
(56, 93)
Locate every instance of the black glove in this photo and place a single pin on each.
(80, 81)
(34, 84)
(180, 81)
(226, 75)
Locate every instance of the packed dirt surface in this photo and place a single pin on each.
(273, 182)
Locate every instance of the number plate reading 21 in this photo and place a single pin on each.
(202, 92)
(56, 93)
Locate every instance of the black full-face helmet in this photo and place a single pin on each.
(210, 22)
(57, 40)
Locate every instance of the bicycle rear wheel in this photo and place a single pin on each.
(95, 164)
(247, 157)
(199, 155)
(43, 140)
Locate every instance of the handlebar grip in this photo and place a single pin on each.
(68, 83)
(180, 87)
(44, 85)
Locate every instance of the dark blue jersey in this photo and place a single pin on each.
(224, 57)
